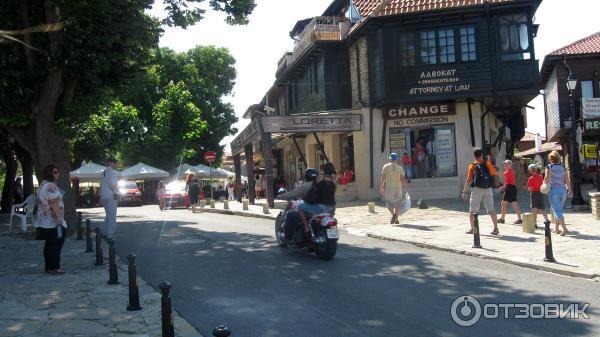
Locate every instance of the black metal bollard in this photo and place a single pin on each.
(79, 228)
(89, 247)
(168, 328)
(548, 243)
(221, 331)
(99, 254)
(134, 295)
(476, 238)
(113, 275)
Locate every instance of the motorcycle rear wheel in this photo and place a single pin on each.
(278, 225)
(326, 251)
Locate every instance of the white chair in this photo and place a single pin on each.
(23, 211)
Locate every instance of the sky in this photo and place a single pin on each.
(259, 45)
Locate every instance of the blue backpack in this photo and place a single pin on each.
(481, 176)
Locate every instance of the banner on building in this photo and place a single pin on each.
(590, 108)
(421, 110)
(312, 123)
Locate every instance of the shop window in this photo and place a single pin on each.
(587, 89)
(346, 169)
(407, 50)
(428, 48)
(446, 46)
(427, 152)
(468, 44)
(514, 38)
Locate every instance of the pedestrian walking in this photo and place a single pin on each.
(510, 192)
(536, 198)
(560, 186)
(49, 219)
(160, 195)
(230, 191)
(192, 188)
(407, 166)
(480, 179)
(393, 186)
(109, 195)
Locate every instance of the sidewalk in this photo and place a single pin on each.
(77, 303)
(443, 225)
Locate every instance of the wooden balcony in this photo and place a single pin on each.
(320, 28)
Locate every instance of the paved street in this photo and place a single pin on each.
(227, 269)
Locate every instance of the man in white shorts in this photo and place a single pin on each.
(480, 178)
(393, 186)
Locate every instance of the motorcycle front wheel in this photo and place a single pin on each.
(278, 230)
(326, 250)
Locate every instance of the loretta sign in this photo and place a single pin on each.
(312, 123)
(423, 110)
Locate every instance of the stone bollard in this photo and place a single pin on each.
(79, 228)
(528, 223)
(113, 275)
(266, 209)
(212, 203)
(221, 198)
(99, 255)
(221, 331)
(168, 329)
(371, 207)
(595, 204)
(549, 255)
(225, 204)
(202, 203)
(89, 247)
(134, 294)
(476, 238)
(245, 204)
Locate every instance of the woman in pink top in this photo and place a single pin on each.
(510, 192)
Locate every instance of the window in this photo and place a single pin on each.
(407, 49)
(428, 48)
(587, 89)
(468, 45)
(446, 46)
(514, 38)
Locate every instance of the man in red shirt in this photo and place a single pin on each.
(510, 192)
(534, 183)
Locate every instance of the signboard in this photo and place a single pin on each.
(210, 156)
(312, 123)
(248, 136)
(590, 108)
(420, 121)
(592, 126)
(421, 110)
(444, 152)
(442, 81)
(398, 141)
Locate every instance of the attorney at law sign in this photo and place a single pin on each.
(590, 107)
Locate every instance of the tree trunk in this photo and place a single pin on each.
(27, 167)
(11, 174)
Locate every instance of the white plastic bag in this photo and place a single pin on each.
(406, 204)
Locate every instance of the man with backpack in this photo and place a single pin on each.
(481, 179)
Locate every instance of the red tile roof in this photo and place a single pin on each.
(392, 7)
(588, 45)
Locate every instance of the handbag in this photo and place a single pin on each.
(545, 188)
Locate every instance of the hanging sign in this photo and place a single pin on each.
(312, 123)
(590, 108)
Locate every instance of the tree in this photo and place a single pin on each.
(92, 45)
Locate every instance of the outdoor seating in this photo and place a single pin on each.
(23, 211)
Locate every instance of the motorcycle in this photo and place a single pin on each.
(323, 236)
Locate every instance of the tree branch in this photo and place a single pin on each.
(51, 17)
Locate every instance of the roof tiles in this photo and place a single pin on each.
(587, 45)
(393, 7)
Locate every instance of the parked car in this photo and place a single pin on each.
(129, 193)
(176, 195)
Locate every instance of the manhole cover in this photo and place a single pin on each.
(186, 241)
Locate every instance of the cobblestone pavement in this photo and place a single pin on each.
(78, 303)
(443, 224)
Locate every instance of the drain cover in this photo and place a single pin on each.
(185, 241)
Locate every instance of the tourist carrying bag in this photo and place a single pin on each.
(545, 188)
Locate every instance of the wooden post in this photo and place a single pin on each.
(268, 156)
(238, 177)
(249, 152)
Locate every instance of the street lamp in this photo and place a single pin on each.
(575, 167)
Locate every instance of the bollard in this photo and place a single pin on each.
(548, 242)
(371, 207)
(245, 204)
(476, 238)
(202, 203)
(212, 203)
(266, 209)
(99, 255)
(221, 331)
(79, 228)
(88, 236)
(168, 329)
(134, 294)
(225, 204)
(113, 275)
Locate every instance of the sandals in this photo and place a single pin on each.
(394, 219)
(518, 222)
(495, 232)
(501, 220)
(470, 231)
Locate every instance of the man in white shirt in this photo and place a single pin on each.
(109, 195)
(393, 187)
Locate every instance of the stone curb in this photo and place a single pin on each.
(595, 277)
(239, 213)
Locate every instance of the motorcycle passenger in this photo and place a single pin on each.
(293, 217)
(321, 196)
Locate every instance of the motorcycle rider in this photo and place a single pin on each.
(293, 217)
(321, 197)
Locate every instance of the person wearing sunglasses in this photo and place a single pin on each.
(49, 219)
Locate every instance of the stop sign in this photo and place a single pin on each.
(210, 156)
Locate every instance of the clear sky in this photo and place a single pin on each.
(258, 46)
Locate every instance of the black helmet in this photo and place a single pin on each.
(311, 174)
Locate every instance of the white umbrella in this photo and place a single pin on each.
(143, 172)
(88, 171)
(215, 172)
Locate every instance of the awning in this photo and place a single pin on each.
(546, 147)
(142, 171)
(88, 172)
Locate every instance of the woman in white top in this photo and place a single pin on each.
(50, 220)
